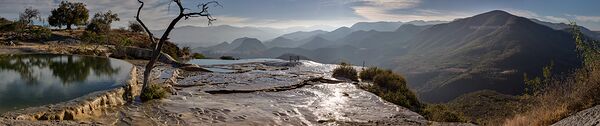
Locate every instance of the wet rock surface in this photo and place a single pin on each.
(588, 117)
(267, 93)
(264, 94)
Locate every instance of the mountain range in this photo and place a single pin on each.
(389, 26)
(194, 36)
(491, 51)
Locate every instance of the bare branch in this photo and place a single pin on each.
(158, 46)
(137, 17)
(204, 11)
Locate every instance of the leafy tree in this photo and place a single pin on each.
(68, 14)
(101, 22)
(29, 15)
(135, 27)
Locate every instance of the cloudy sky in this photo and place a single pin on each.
(293, 13)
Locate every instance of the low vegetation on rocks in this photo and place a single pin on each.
(441, 113)
(154, 91)
(556, 97)
(227, 58)
(198, 56)
(345, 71)
(370, 73)
(392, 88)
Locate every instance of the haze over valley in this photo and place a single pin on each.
(491, 50)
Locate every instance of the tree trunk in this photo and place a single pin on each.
(156, 51)
(69, 26)
(158, 47)
(147, 71)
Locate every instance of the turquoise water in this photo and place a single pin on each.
(208, 62)
(36, 80)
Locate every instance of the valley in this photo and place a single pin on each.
(487, 51)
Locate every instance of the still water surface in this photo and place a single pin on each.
(35, 80)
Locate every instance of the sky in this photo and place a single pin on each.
(325, 13)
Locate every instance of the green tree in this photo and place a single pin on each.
(68, 14)
(101, 22)
(29, 15)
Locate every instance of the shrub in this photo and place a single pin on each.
(186, 51)
(392, 88)
(172, 50)
(369, 74)
(154, 91)
(126, 42)
(346, 71)
(4, 21)
(227, 58)
(135, 27)
(13, 26)
(441, 113)
(36, 33)
(390, 82)
(93, 37)
(101, 22)
(198, 56)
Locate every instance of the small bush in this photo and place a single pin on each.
(155, 91)
(13, 27)
(392, 88)
(227, 58)
(198, 56)
(4, 21)
(441, 113)
(346, 71)
(125, 42)
(93, 37)
(135, 27)
(370, 73)
(38, 33)
(390, 82)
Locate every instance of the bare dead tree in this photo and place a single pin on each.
(203, 12)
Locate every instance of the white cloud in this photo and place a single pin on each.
(587, 18)
(557, 19)
(402, 10)
(530, 14)
(379, 9)
(393, 4)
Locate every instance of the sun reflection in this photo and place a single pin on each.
(332, 103)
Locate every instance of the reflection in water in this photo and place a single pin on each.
(34, 80)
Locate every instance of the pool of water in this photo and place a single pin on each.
(208, 62)
(36, 80)
(220, 70)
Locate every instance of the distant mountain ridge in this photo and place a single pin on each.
(563, 26)
(194, 36)
(491, 51)
(487, 51)
(384, 26)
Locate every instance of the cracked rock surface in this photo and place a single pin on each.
(260, 93)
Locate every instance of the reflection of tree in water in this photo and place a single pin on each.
(67, 68)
